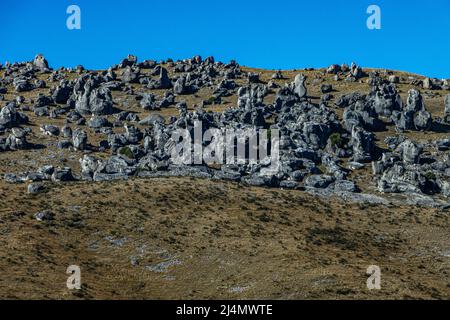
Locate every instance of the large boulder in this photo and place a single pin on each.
(129, 61)
(277, 75)
(151, 120)
(97, 101)
(414, 116)
(362, 114)
(35, 188)
(181, 86)
(50, 130)
(62, 175)
(22, 84)
(163, 82)
(148, 102)
(253, 77)
(98, 122)
(10, 117)
(399, 179)
(131, 75)
(17, 139)
(385, 99)
(345, 186)
(423, 120)
(316, 134)
(116, 164)
(251, 96)
(89, 166)
(299, 86)
(334, 69)
(40, 63)
(403, 120)
(62, 92)
(285, 98)
(356, 71)
(363, 145)
(410, 152)
(320, 181)
(101, 102)
(415, 101)
(79, 139)
(428, 84)
(132, 134)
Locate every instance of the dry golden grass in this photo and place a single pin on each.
(273, 244)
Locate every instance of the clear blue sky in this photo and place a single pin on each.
(286, 34)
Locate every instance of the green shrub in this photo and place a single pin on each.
(210, 100)
(336, 139)
(126, 151)
(430, 175)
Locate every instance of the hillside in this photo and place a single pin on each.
(86, 179)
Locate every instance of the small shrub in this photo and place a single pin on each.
(210, 100)
(430, 175)
(336, 139)
(126, 151)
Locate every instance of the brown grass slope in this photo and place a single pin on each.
(185, 238)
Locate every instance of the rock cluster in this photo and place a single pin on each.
(314, 147)
(406, 169)
(414, 116)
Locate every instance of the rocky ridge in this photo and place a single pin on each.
(324, 142)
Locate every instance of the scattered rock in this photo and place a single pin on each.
(35, 188)
(44, 216)
(40, 62)
(300, 88)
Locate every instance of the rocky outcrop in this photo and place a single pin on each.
(96, 101)
(414, 116)
(318, 148)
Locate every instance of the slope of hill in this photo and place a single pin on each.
(370, 190)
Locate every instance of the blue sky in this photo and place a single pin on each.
(285, 34)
